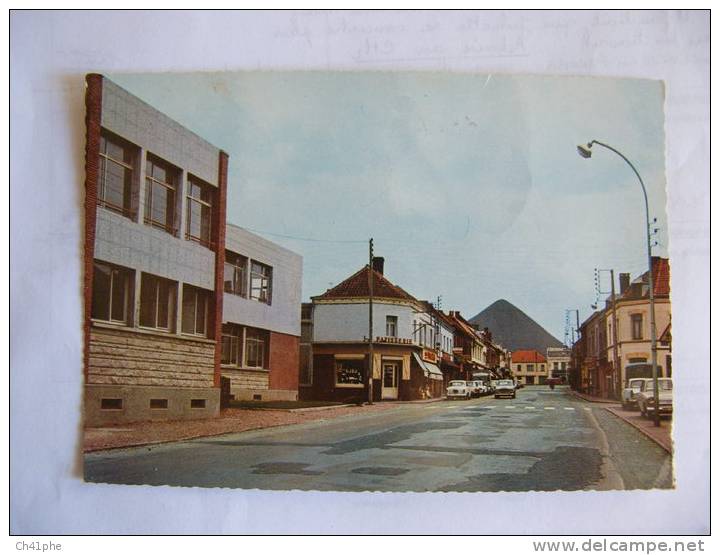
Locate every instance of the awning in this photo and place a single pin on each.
(431, 370)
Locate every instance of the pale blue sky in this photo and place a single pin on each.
(470, 184)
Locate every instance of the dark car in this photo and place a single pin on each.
(505, 388)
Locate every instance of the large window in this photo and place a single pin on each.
(157, 302)
(195, 303)
(636, 321)
(160, 191)
(115, 184)
(112, 288)
(260, 282)
(199, 210)
(231, 346)
(235, 274)
(349, 372)
(255, 348)
(391, 326)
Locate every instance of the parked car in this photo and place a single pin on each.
(505, 388)
(519, 384)
(630, 393)
(476, 388)
(458, 389)
(646, 397)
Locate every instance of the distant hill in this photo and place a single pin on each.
(513, 329)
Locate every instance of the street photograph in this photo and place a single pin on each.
(378, 281)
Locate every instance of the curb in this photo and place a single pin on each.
(594, 399)
(642, 430)
(313, 409)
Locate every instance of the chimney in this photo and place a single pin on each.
(379, 264)
(624, 282)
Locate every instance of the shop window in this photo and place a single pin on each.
(260, 282)
(200, 198)
(116, 178)
(161, 181)
(255, 348)
(231, 345)
(157, 302)
(195, 302)
(235, 274)
(112, 293)
(350, 372)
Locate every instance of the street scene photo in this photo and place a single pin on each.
(376, 281)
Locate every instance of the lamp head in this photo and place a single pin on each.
(585, 151)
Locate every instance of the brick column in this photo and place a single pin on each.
(93, 109)
(218, 239)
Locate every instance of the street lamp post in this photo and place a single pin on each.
(585, 151)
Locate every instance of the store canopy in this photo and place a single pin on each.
(431, 370)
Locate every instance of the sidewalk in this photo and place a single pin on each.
(661, 435)
(229, 421)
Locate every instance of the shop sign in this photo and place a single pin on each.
(394, 340)
(429, 356)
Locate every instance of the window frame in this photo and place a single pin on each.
(235, 333)
(172, 302)
(171, 190)
(391, 324)
(193, 181)
(196, 293)
(237, 269)
(129, 276)
(268, 278)
(257, 338)
(104, 158)
(636, 326)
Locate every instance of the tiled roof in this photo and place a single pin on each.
(661, 281)
(356, 286)
(528, 356)
(661, 275)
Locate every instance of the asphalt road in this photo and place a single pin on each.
(544, 440)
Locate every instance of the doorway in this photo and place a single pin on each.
(390, 380)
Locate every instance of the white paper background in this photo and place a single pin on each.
(50, 54)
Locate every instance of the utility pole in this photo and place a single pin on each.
(371, 279)
(617, 382)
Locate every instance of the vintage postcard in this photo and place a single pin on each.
(377, 281)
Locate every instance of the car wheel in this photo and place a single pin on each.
(513, 396)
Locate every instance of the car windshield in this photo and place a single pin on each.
(457, 384)
(665, 385)
(636, 383)
(505, 383)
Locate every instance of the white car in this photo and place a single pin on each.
(458, 389)
(646, 397)
(476, 388)
(630, 393)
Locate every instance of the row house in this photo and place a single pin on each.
(155, 273)
(558, 359)
(529, 367)
(405, 358)
(595, 372)
(595, 352)
(469, 348)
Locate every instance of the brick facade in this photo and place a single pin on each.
(93, 111)
(284, 361)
